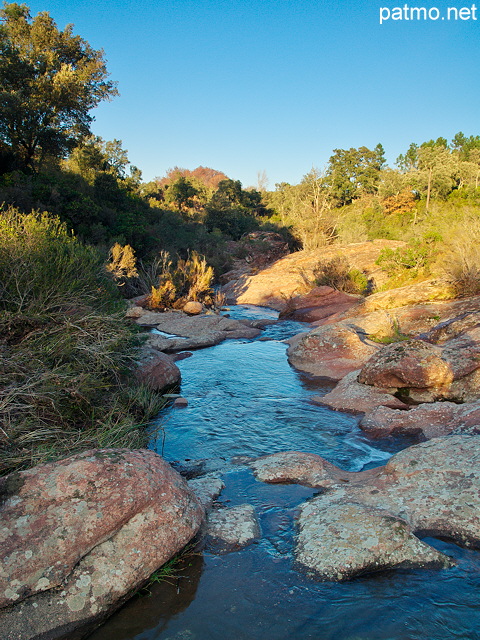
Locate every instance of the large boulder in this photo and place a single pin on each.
(410, 363)
(331, 351)
(79, 535)
(429, 372)
(156, 370)
(354, 397)
(425, 421)
(319, 303)
(365, 521)
(349, 539)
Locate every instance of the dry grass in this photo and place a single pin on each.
(66, 355)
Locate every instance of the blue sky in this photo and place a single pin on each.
(246, 86)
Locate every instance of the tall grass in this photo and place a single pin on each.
(66, 352)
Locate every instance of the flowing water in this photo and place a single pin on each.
(244, 399)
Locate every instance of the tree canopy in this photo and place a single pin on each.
(49, 82)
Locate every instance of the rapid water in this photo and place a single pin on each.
(244, 399)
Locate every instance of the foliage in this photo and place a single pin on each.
(338, 274)
(49, 81)
(410, 262)
(65, 351)
(233, 210)
(190, 279)
(462, 260)
(306, 210)
(353, 172)
(45, 269)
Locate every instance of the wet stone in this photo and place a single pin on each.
(231, 529)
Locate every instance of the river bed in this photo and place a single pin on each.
(245, 400)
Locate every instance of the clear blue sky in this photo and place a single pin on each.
(250, 85)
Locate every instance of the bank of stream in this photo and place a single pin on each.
(245, 400)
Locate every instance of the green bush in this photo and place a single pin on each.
(412, 261)
(44, 269)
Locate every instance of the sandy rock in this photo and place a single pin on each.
(272, 286)
(409, 295)
(319, 303)
(234, 528)
(157, 370)
(425, 421)
(296, 467)
(350, 395)
(453, 327)
(207, 489)
(193, 308)
(409, 363)
(331, 351)
(95, 525)
(350, 539)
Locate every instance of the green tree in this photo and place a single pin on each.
(49, 82)
(181, 193)
(352, 172)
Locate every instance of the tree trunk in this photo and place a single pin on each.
(429, 188)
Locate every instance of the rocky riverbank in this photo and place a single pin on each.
(81, 535)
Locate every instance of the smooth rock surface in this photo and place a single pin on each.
(425, 421)
(350, 539)
(411, 294)
(157, 370)
(233, 528)
(352, 396)
(79, 535)
(274, 285)
(331, 351)
(193, 308)
(302, 468)
(319, 303)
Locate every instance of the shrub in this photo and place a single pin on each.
(462, 261)
(65, 353)
(44, 269)
(338, 274)
(410, 262)
(190, 279)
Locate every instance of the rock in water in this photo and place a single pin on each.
(80, 535)
(231, 529)
(156, 369)
(430, 489)
(349, 539)
(330, 351)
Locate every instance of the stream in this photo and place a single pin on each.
(245, 400)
